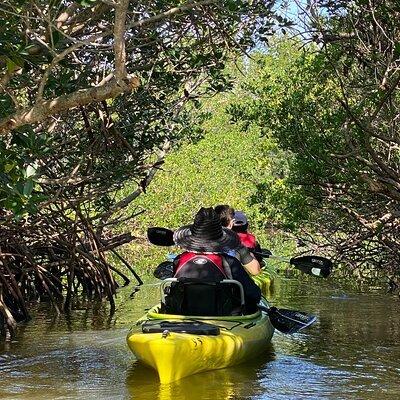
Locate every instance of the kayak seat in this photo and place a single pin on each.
(189, 296)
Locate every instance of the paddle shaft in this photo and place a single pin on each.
(312, 265)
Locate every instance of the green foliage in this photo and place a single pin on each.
(36, 64)
(90, 91)
(18, 172)
(273, 80)
(332, 152)
(292, 96)
(220, 168)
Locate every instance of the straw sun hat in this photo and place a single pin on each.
(206, 234)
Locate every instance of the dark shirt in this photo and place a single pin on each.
(243, 255)
(252, 292)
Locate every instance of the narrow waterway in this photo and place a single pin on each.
(352, 352)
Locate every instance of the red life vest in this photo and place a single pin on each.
(200, 260)
(247, 239)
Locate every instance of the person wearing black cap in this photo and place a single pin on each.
(207, 244)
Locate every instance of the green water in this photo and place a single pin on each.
(352, 352)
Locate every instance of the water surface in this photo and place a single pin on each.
(352, 352)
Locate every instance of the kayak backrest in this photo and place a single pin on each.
(186, 296)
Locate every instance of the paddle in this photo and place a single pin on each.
(311, 265)
(284, 320)
(288, 321)
(160, 236)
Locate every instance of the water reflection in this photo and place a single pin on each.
(228, 383)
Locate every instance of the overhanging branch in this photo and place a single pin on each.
(47, 108)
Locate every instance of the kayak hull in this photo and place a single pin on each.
(175, 355)
(264, 282)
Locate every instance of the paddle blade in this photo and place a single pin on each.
(164, 270)
(289, 321)
(313, 265)
(160, 236)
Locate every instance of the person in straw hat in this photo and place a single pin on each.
(207, 244)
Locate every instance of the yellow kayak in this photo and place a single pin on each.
(264, 281)
(177, 346)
